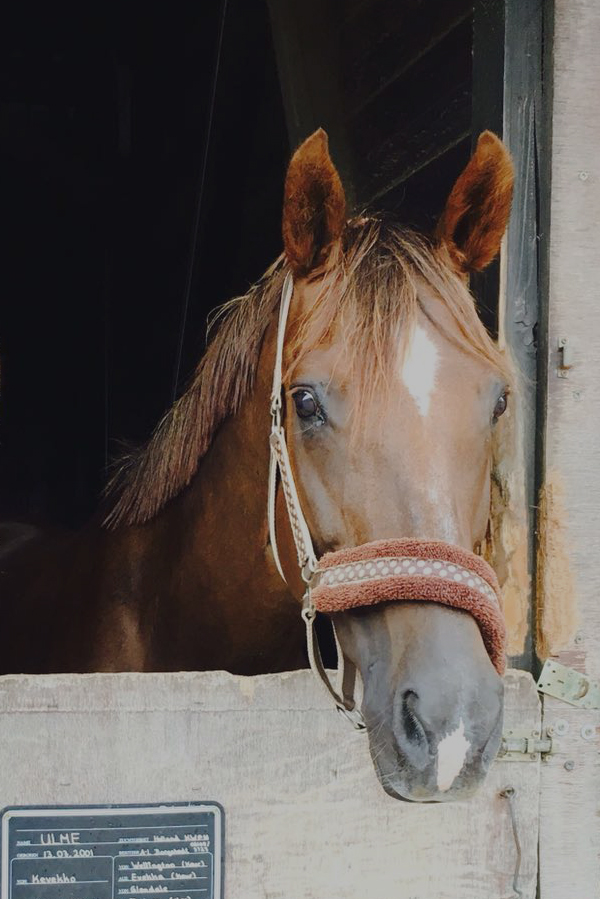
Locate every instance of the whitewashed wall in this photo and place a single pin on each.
(305, 815)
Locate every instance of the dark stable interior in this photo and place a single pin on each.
(143, 151)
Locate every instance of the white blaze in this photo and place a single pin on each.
(451, 753)
(419, 368)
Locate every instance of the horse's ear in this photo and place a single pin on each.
(476, 212)
(314, 205)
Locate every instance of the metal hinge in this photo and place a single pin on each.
(521, 745)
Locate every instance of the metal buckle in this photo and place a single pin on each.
(309, 612)
(354, 716)
(308, 571)
(276, 408)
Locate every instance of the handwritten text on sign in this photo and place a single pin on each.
(153, 852)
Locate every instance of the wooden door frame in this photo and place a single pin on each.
(512, 95)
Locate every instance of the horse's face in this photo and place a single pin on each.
(414, 463)
(417, 465)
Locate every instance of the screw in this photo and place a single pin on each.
(535, 733)
(588, 731)
(561, 727)
(579, 637)
(583, 176)
(569, 765)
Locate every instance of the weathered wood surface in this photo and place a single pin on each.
(570, 799)
(305, 815)
(573, 408)
(523, 116)
(570, 804)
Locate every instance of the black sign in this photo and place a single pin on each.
(120, 852)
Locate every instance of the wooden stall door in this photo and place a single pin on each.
(304, 813)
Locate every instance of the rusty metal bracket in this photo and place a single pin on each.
(565, 352)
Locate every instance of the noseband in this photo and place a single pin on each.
(383, 571)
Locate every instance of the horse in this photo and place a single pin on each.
(393, 397)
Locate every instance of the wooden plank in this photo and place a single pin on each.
(569, 617)
(305, 815)
(573, 422)
(520, 298)
(415, 118)
(507, 99)
(386, 39)
(570, 804)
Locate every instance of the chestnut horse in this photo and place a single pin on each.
(393, 392)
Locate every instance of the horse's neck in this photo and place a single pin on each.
(223, 604)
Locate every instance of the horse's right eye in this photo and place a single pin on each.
(306, 403)
(501, 404)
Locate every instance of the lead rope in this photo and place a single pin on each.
(307, 560)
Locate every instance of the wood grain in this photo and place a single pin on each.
(573, 411)
(570, 803)
(570, 796)
(305, 815)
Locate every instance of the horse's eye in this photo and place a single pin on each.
(306, 403)
(500, 407)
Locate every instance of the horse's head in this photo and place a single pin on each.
(393, 390)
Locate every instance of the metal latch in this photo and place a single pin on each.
(519, 745)
(565, 352)
(569, 685)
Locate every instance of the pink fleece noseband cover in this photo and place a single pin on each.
(399, 570)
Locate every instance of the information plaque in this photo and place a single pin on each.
(119, 852)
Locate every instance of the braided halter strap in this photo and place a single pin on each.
(386, 570)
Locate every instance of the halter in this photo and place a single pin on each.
(382, 571)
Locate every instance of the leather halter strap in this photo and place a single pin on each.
(280, 458)
(343, 696)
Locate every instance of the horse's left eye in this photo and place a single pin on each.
(306, 403)
(500, 407)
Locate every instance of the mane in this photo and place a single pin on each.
(148, 478)
(373, 295)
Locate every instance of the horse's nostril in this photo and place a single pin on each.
(411, 722)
